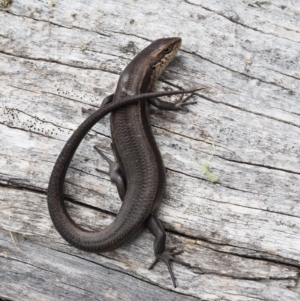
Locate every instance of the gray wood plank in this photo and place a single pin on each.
(233, 164)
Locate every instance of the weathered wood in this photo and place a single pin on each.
(233, 164)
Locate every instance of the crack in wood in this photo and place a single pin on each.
(282, 73)
(110, 267)
(36, 118)
(57, 62)
(235, 71)
(246, 110)
(259, 165)
(57, 24)
(234, 20)
(28, 131)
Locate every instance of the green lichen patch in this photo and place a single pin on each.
(204, 167)
(130, 48)
(83, 46)
(5, 3)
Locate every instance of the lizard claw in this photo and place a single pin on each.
(182, 103)
(166, 257)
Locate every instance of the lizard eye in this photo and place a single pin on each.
(168, 49)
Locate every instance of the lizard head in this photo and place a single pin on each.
(163, 52)
(156, 57)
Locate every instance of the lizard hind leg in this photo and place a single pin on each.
(115, 173)
(161, 253)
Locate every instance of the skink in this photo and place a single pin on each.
(138, 172)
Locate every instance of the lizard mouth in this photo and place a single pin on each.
(163, 63)
(159, 67)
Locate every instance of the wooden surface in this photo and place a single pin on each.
(233, 165)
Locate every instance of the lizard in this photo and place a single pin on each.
(138, 171)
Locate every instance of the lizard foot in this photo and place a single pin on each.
(105, 158)
(182, 103)
(166, 257)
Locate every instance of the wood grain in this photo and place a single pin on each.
(233, 163)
